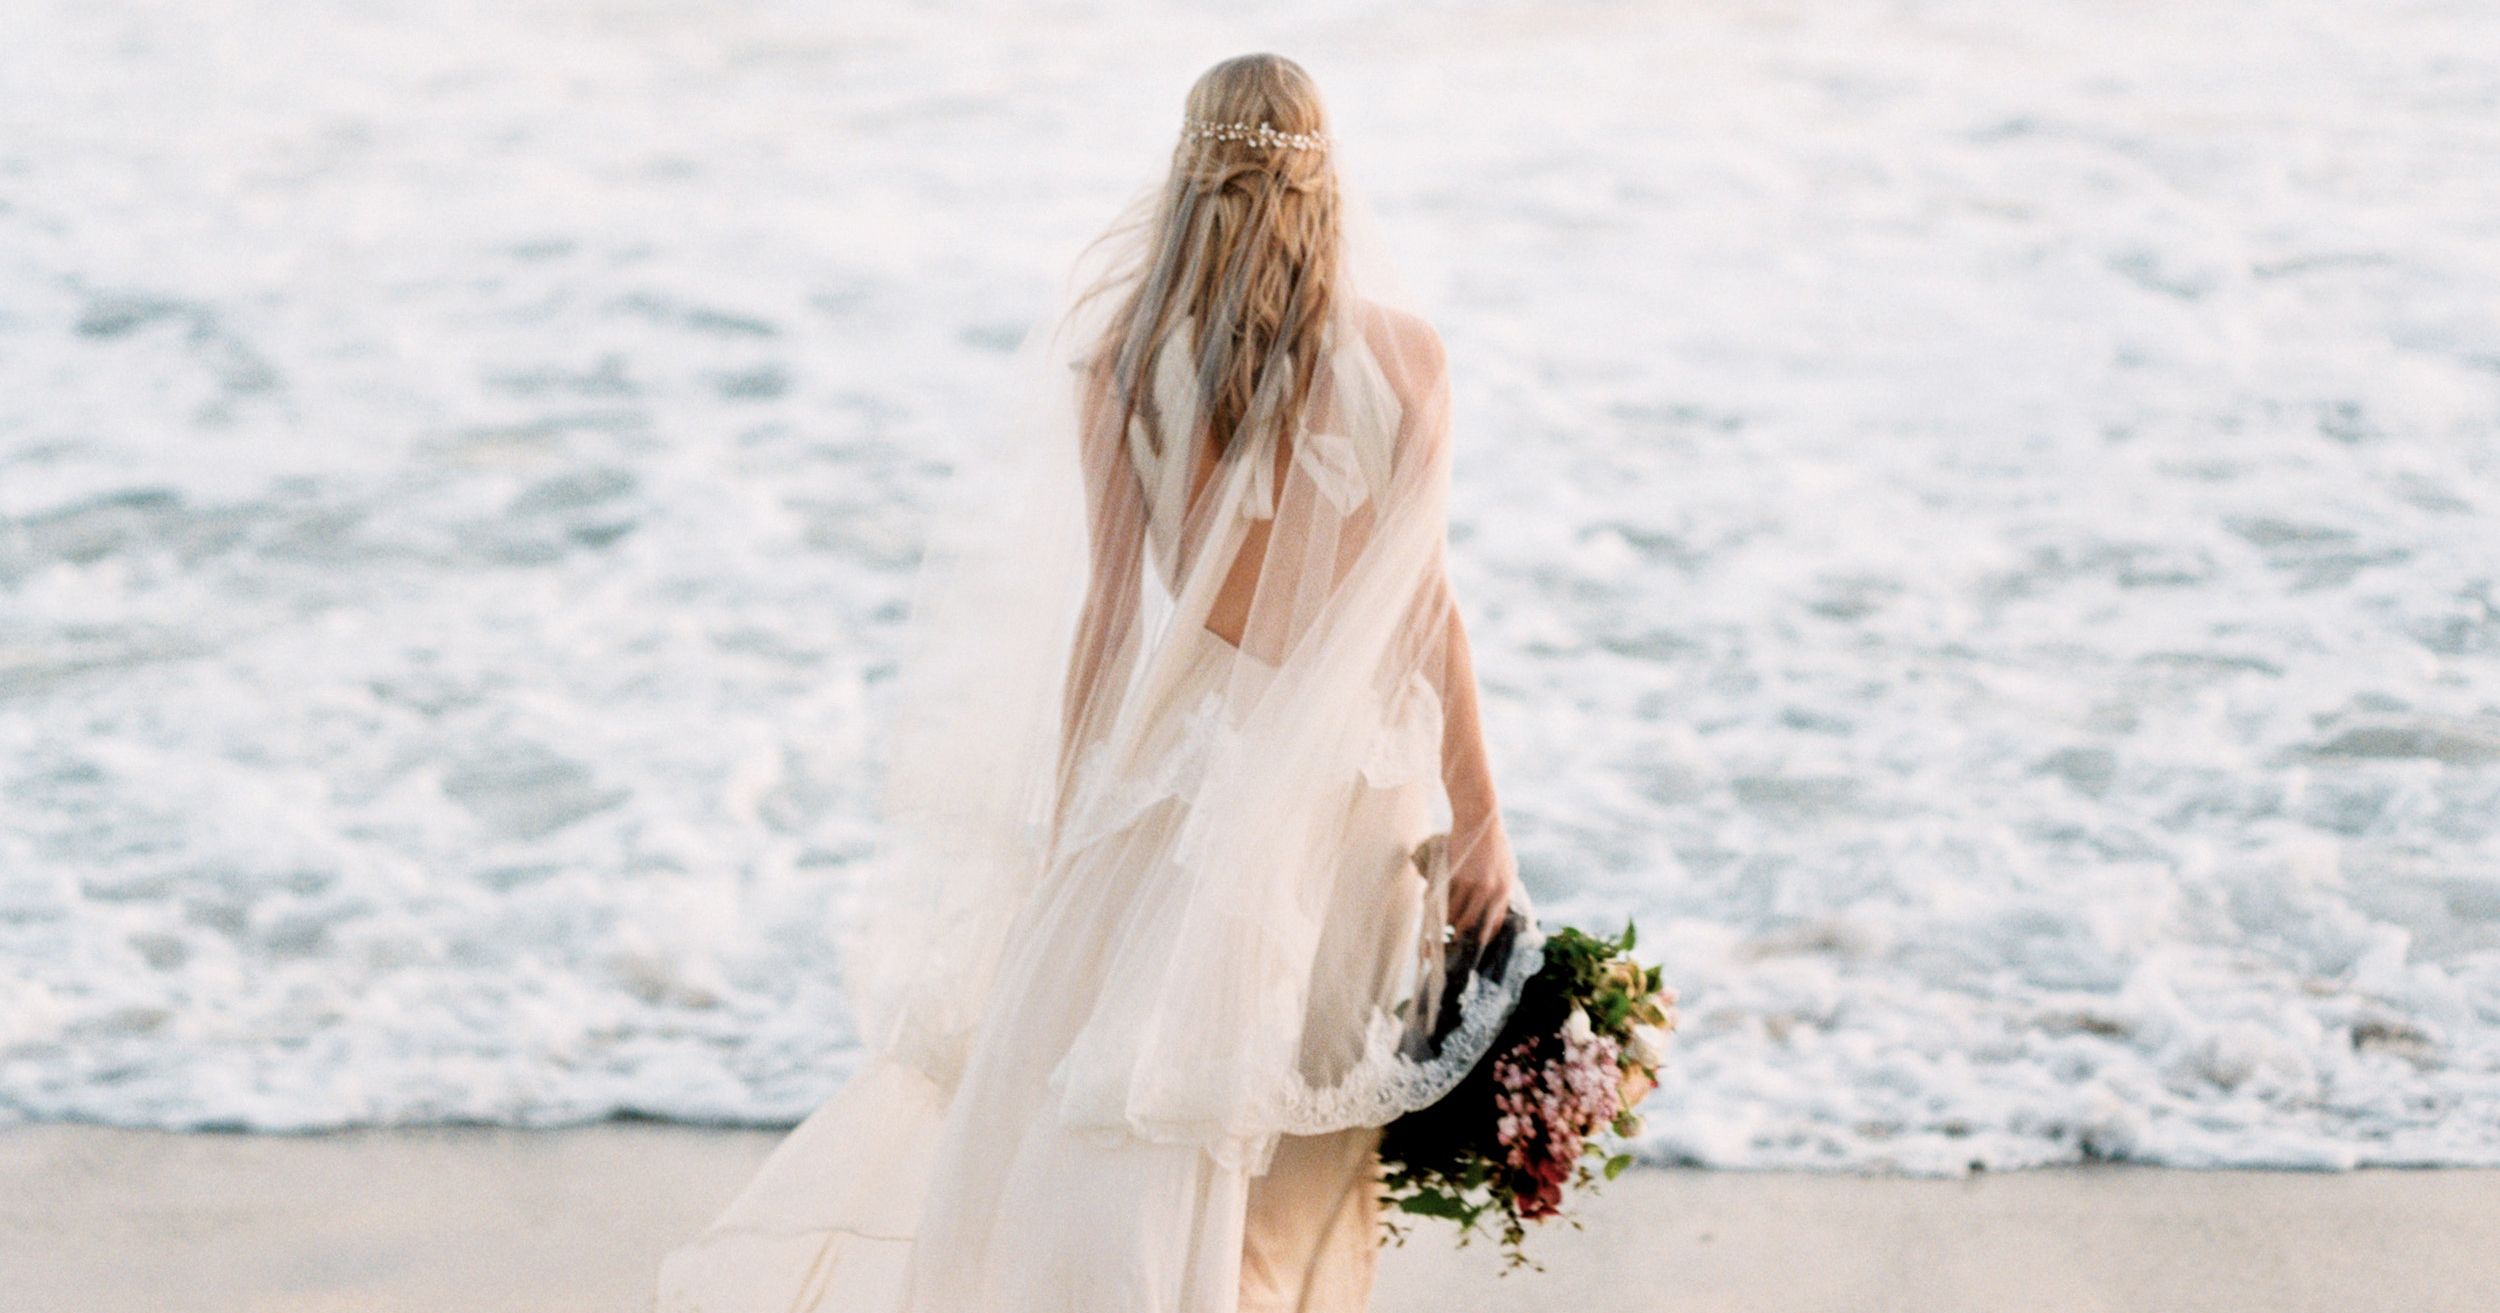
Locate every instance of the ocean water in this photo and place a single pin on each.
(1978, 523)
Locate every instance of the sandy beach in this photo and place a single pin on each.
(474, 1220)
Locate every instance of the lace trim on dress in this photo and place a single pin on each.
(1106, 805)
(1386, 1083)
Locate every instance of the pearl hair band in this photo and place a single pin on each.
(1260, 133)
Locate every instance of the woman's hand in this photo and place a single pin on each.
(1481, 879)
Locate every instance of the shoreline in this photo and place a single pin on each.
(455, 1219)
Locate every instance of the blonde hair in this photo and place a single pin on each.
(1245, 241)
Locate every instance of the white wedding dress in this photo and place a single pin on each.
(1148, 956)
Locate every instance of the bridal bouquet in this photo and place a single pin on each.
(1583, 1046)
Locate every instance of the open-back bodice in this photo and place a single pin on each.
(1341, 442)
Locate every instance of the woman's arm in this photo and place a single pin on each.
(1482, 868)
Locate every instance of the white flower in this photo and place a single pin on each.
(1648, 1046)
(1577, 1030)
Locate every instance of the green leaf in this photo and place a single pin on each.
(1616, 1164)
(1435, 1205)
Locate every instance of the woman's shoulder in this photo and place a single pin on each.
(1405, 345)
(1400, 337)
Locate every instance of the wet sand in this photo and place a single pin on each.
(478, 1220)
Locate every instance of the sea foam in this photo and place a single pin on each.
(1977, 524)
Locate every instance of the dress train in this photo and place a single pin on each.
(893, 1197)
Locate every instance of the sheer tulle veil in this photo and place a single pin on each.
(1222, 656)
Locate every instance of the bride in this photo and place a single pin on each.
(1191, 875)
